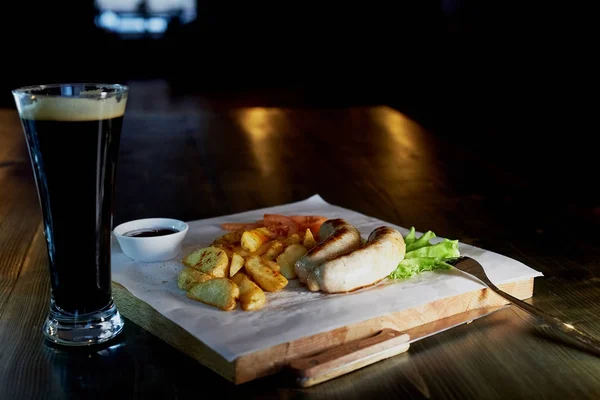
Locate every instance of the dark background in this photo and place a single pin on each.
(514, 77)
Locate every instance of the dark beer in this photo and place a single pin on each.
(73, 132)
(74, 164)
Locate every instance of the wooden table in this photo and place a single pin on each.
(186, 158)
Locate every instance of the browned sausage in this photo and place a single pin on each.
(337, 237)
(383, 252)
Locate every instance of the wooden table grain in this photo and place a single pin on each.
(189, 158)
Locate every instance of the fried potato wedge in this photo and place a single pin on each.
(309, 240)
(292, 239)
(288, 258)
(219, 292)
(238, 249)
(211, 260)
(262, 249)
(226, 247)
(251, 240)
(189, 276)
(265, 277)
(237, 262)
(228, 238)
(271, 264)
(275, 249)
(252, 297)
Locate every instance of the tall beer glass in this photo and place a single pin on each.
(73, 133)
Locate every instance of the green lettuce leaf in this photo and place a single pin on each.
(442, 250)
(420, 242)
(412, 266)
(410, 236)
(423, 256)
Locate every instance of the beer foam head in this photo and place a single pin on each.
(88, 105)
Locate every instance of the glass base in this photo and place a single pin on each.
(82, 330)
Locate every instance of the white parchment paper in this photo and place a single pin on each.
(294, 313)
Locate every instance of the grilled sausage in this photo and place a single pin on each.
(385, 248)
(337, 237)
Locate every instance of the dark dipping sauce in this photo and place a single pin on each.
(151, 232)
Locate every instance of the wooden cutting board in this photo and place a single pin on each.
(272, 360)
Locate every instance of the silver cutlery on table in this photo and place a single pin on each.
(475, 269)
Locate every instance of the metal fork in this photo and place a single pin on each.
(474, 268)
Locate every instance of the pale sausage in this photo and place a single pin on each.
(383, 252)
(337, 238)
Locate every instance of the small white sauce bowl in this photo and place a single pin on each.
(153, 248)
